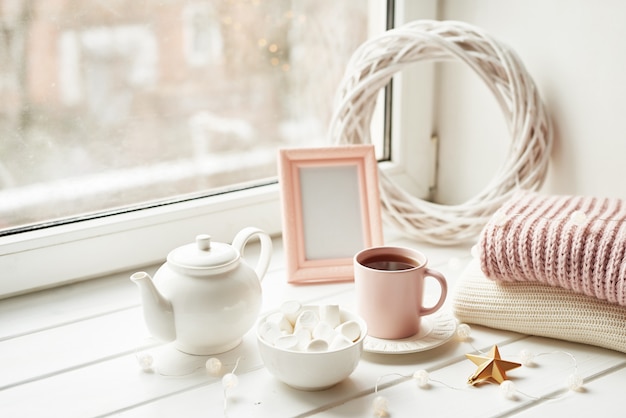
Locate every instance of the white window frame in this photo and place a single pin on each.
(93, 248)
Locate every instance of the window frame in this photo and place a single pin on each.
(55, 255)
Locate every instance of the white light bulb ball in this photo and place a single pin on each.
(527, 357)
(463, 331)
(230, 381)
(578, 217)
(214, 366)
(421, 378)
(381, 409)
(507, 389)
(499, 218)
(145, 360)
(574, 382)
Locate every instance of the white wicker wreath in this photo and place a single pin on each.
(371, 68)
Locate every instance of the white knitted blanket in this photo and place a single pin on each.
(538, 309)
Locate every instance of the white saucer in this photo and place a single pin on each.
(434, 331)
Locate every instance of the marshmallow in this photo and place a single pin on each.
(350, 329)
(270, 332)
(310, 329)
(317, 346)
(287, 342)
(307, 319)
(291, 310)
(281, 321)
(339, 342)
(330, 314)
(304, 338)
(323, 331)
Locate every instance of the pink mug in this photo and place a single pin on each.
(389, 286)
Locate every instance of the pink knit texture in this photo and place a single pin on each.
(575, 242)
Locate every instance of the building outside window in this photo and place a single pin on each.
(115, 104)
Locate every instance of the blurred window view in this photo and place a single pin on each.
(110, 104)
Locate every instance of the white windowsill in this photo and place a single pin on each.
(70, 351)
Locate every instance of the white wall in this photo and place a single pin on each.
(575, 51)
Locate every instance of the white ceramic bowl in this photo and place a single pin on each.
(313, 370)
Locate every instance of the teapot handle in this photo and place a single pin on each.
(242, 238)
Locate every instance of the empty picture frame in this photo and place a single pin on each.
(330, 210)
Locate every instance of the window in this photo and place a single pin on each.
(116, 104)
(137, 111)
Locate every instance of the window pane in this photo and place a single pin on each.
(110, 104)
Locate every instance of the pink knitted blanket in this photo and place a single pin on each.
(575, 242)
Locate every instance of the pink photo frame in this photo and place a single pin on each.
(330, 210)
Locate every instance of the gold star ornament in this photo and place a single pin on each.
(490, 368)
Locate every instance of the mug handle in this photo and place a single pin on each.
(444, 291)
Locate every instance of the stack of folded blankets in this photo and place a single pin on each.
(552, 266)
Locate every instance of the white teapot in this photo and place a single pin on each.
(205, 297)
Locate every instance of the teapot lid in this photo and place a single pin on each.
(203, 254)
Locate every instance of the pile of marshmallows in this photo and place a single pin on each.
(309, 328)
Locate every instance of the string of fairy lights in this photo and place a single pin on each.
(491, 369)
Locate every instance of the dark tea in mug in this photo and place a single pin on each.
(390, 262)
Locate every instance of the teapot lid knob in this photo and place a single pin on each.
(203, 254)
(203, 242)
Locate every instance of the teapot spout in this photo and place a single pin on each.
(157, 310)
